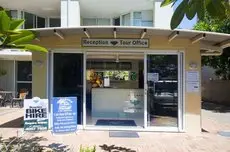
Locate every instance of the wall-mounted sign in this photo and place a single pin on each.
(154, 77)
(35, 114)
(64, 114)
(132, 43)
(192, 81)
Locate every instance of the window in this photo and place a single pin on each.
(89, 21)
(29, 20)
(96, 21)
(103, 21)
(24, 77)
(55, 22)
(137, 18)
(143, 18)
(126, 20)
(12, 13)
(41, 22)
(116, 21)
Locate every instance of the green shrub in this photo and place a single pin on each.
(87, 149)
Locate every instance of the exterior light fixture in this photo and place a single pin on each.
(117, 59)
(58, 34)
(193, 65)
(38, 63)
(173, 35)
(115, 33)
(198, 38)
(143, 33)
(225, 44)
(86, 33)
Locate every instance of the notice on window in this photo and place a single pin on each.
(192, 81)
(154, 77)
(106, 82)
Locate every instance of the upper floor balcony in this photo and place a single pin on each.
(69, 13)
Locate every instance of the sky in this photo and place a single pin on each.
(186, 23)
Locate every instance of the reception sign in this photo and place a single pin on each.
(132, 43)
(64, 114)
(35, 114)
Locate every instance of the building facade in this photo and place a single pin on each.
(72, 13)
(128, 70)
(75, 13)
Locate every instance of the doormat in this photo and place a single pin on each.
(108, 122)
(123, 134)
(224, 133)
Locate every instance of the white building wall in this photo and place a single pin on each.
(70, 13)
(162, 15)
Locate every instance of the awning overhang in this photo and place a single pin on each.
(14, 54)
(212, 43)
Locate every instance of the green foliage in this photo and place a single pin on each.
(13, 37)
(87, 149)
(221, 64)
(218, 9)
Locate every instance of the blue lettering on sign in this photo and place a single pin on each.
(64, 114)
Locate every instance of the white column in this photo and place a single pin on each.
(64, 13)
(74, 17)
(162, 15)
(70, 13)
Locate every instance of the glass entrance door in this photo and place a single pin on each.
(162, 91)
(68, 78)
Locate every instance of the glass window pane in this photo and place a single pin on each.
(55, 22)
(137, 15)
(41, 22)
(12, 13)
(147, 23)
(29, 20)
(137, 22)
(162, 96)
(25, 87)
(24, 71)
(89, 21)
(103, 21)
(126, 20)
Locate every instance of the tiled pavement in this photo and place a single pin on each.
(148, 142)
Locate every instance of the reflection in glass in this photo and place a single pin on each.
(24, 71)
(29, 20)
(162, 93)
(25, 87)
(68, 78)
(55, 22)
(41, 22)
(118, 102)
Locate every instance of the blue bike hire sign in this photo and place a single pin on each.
(64, 114)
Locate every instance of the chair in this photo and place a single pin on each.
(20, 99)
(1, 99)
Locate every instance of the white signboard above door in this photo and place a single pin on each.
(132, 43)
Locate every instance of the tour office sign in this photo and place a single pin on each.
(35, 114)
(131, 43)
(64, 114)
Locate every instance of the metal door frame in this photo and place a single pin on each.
(181, 61)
